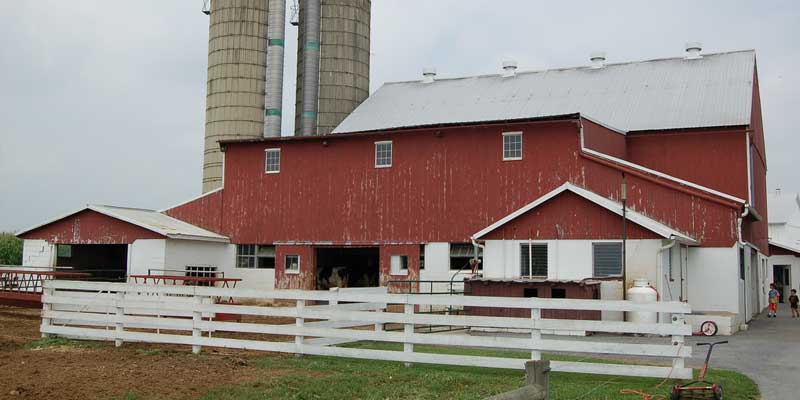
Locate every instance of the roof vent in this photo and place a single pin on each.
(598, 59)
(428, 75)
(509, 68)
(693, 50)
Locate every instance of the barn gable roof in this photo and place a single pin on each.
(715, 90)
(611, 205)
(148, 219)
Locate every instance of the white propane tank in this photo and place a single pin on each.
(641, 292)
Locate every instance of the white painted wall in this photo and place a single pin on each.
(437, 268)
(38, 253)
(569, 259)
(144, 254)
(713, 279)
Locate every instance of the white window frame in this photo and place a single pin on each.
(266, 160)
(398, 270)
(286, 264)
(503, 147)
(391, 154)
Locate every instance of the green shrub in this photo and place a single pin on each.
(10, 249)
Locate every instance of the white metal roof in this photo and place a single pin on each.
(148, 219)
(611, 205)
(782, 207)
(715, 90)
(785, 246)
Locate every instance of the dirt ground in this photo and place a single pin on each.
(95, 370)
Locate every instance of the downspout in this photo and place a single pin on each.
(273, 98)
(742, 243)
(311, 50)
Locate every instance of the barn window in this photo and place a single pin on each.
(383, 154)
(461, 254)
(399, 265)
(255, 256)
(272, 164)
(533, 260)
(292, 263)
(607, 259)
(512, 146)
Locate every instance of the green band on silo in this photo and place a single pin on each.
(312, 45)
(273, 112)
(309, 114)
(275, 42)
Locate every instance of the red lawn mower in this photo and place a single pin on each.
(700, 389)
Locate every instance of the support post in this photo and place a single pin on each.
(678, 342)
(46, 306)
(538, 373)
(408, 330)
(197, 320)
(120, 297)
(536, 333)
(299, 322)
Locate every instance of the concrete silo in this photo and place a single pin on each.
(342, 63)
(237, 47)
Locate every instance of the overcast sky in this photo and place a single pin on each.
(103, 101)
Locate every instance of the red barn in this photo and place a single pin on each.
(529, 167)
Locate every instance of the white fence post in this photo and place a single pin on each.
(46, 307)
(120, 298)
(678, 341)
(197, 320)
(378, 325)
(299, 322)
(536, 334)
(408, 330)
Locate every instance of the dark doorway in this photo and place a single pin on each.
(780, 277)
(347, 267)
(106, 262)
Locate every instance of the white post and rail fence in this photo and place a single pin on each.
(185, 315)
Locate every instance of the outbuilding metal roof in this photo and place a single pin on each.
(715, 90)
(782, 207)
(148, 219)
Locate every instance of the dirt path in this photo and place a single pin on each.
(101, 371)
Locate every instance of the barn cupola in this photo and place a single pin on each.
(598, 59)
(509, 68)
(693, 50)
(428, 75)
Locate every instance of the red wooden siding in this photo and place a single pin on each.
(604, 140)
(307, 278)
(759, 231)
(715, 159)
(412, 251)
(90, 227)
(205, 212)
(574, 290)
(444, 185)
(569, 217)
(440, 187)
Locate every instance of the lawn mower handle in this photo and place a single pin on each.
(713, 344)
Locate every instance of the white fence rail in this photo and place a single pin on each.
(105, 311)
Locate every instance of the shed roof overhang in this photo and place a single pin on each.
(610, 205)
(793, 250)
(151, 220)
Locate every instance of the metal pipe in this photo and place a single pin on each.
(311, 50)
(273, 90)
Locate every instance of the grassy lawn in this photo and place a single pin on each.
(341, 378)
